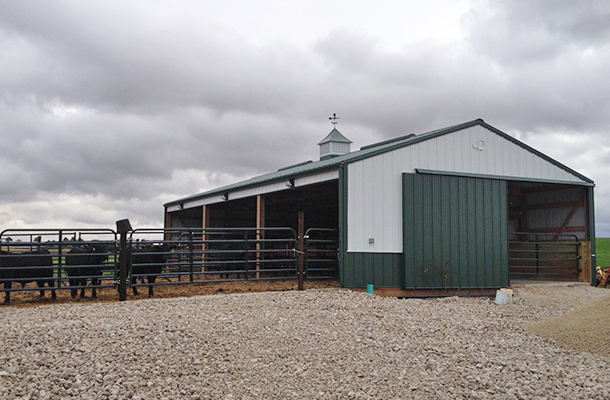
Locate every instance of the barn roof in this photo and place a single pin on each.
(365, 152)
(335, 136)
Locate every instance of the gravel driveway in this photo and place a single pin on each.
(302, 345)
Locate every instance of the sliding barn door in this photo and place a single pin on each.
(455, 232)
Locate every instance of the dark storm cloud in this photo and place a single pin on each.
(552, 56)
(104, 108)
(143, 61)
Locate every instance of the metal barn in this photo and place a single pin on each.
(460, 209)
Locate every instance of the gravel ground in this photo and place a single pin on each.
(327, 344)
(586, 328)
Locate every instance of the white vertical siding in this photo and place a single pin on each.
(375, 190)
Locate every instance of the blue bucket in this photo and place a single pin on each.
(369, 288)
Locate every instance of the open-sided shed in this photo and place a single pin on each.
(464, 207)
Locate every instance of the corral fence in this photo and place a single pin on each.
(321, 253)
(57, 259)
(90, 258)
(221, 255)
(544, 256)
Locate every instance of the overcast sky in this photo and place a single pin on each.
(109, 109)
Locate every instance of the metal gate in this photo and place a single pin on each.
(321, 253)
(543, 256)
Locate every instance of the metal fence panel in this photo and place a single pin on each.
(544, 256)
(321, 253)
(211, 255)
(74, 259)
(78, 259)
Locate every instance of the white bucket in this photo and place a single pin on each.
(504, 296)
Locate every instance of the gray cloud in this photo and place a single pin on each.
(514, 32)
(111, 109)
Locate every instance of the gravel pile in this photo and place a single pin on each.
(585, 329)
(283, 345)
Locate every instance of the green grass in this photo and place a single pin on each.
(602, 251)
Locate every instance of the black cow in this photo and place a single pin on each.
(228, 256)
(148, 261)
(83, 263)
(27, 267)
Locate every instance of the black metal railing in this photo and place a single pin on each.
(56, 259)
(543, 256)
(79, 259)
(321, 253)
(213, 255)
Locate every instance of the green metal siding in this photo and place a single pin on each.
(342, 223)
(455, 232)
(356, 270)
(591, 232)
(380, 269)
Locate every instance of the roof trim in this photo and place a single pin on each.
(335, 136)
(498, 177)
(295, 165)
(396, 139)
(258, 181)
(536, 152)
(367, 152)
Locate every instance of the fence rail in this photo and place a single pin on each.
(77, 259)
(57, 259)
(321, 253)
(220, 255)
(544, 256)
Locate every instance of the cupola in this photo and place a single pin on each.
(334, 144)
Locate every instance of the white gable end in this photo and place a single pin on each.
(375, 184)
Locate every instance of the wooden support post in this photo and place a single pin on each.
(300, 249)
(584, 261)
(260, 233)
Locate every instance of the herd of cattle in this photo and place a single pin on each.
(83, 263)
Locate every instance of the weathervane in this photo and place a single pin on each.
(333, 119)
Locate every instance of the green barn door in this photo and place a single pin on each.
(455, 232)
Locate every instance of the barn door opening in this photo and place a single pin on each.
(549, 231)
